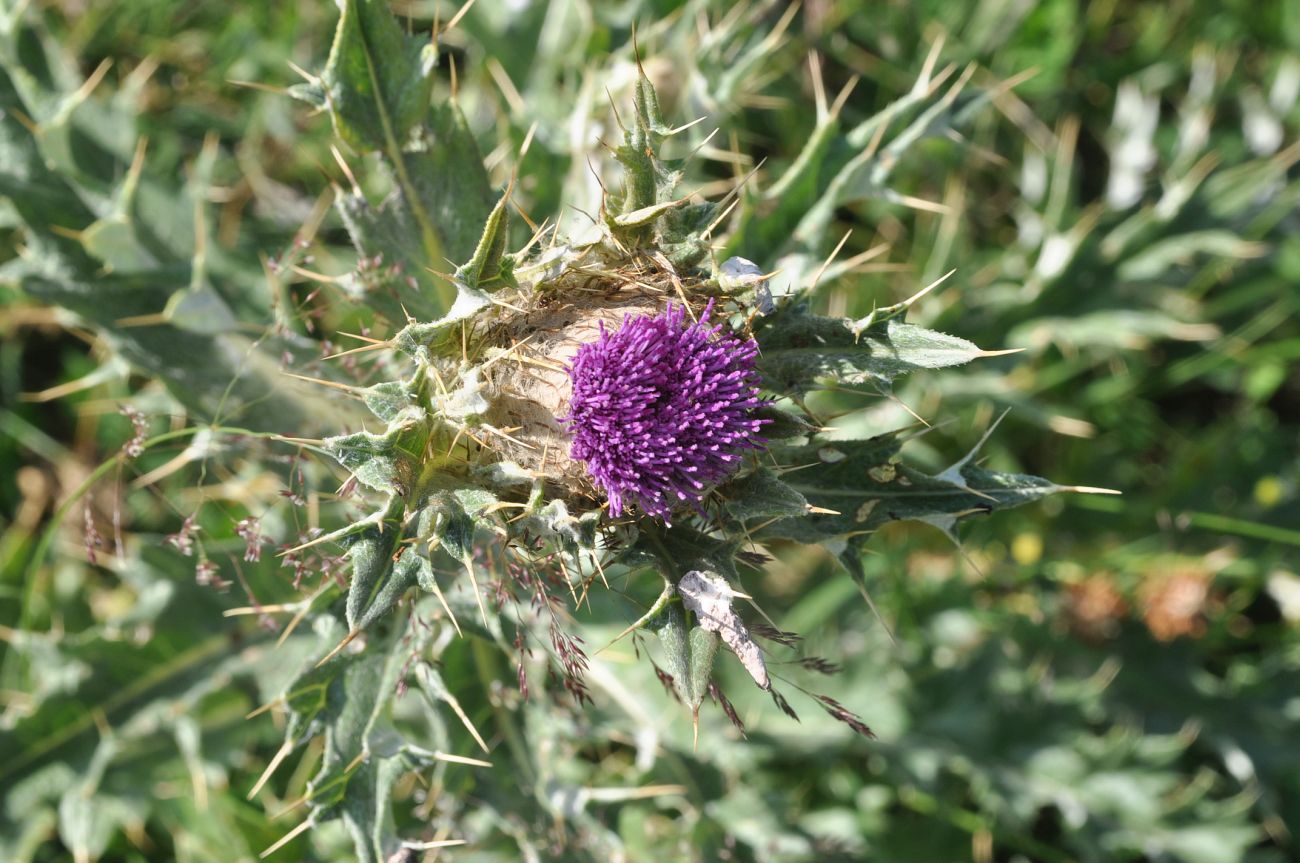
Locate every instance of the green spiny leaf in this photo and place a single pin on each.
(800, 350)
(683, 233)
(703, 645)
(377, 86)
(768, 220)
(397, 280)
(490, 266)
(865, 482)
(307, 695)
(221, 376)
(385, 462)
(88, 817)
(388, 399)
(680, 549)
(574, 534)
(689, 653)
(363, 756)
(642, 217)
(437, 335)
(648, 183)
(377, 80)
(377, 584)
(866, 175)
(783, 425)
(409, 571)
(366, 809)
(449, 182)
(762, 494)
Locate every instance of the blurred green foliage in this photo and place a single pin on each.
(1090, 679)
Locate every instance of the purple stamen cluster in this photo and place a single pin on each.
(660, 412)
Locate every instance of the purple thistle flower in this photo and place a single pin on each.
(661, 412)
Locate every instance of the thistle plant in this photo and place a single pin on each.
(629, 403)
(634, 405)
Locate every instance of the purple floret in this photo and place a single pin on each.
(661, 412)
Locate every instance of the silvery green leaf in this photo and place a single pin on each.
(801, 350)
(417, 336)
(684, 549)
(393, 583)
(89, 817)
(574, 534)
(306, 695)
(761, 494)
(223, 376)
(867, 174)
(703, 646)
(89, 821)
(378, 80)
(490, 266)
(115, 242)
(648, 183)
(449, 184)
(450, 520)
(782, 424)
(504, 475)
(1152, 262)
(348, 699)
(384, 462)
(683, 234)
(393, 271)
(737, 274)
(377, 86)
(709, 597)
(376, 584)
(200, 310)
(366, 809)
(745, 278)
(688, 652)
(644, 216)
(1114, 329)
(865, 485)
(388, 399)
(467, 401)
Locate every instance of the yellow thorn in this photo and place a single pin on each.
(256, 712)
(347, 388)
(306, 76)
(478, 597)
(347, 639)
(363, 338)
(375, 347)
(461, 759)
(286, 839)
(437, 591)
(257, 85)
(280, 755)
(153, 320)
(347, 171)
(826, 263)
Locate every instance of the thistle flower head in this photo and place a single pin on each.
(660, 412)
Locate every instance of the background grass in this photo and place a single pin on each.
(1095, 678)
